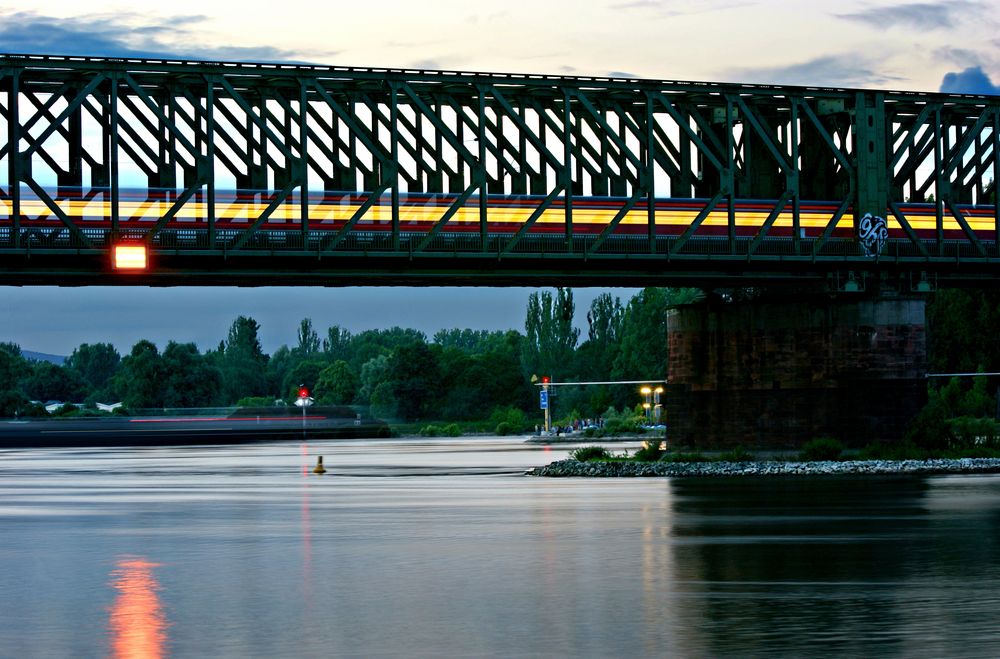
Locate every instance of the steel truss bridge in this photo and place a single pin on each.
(249, 174)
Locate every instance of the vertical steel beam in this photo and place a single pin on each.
(210, 153)
(648, 178)
(793, 181)
(939, 187)
(996, 179)
(871, 154)
(394, 165)
(568, 169)
(113, 126)
(481, 169)
(302, 166)
(728, 182)
(14, 152)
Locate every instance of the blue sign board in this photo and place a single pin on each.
(543, 399)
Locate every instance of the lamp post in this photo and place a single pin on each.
(657, 407)
(646, 392)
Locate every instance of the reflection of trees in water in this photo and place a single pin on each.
(137, 623)
(793, 562)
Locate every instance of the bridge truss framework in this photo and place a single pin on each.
(87, 129)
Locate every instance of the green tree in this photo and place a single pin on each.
(188, 379)
(278, 367)
(337, 344)
(48, 381)
(96, 364)
(596, 355)
(958, 320)
(550, 337)
(372, 343)
(138, 381)
(374, 372)
(309, 344)
(415, 374)
(337, 384)
(305, 373)
(643, 351)
(13, 367)
(243, 362)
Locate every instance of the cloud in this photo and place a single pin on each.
(972, 80)
(123, 34)
(920, 15)
(845, 70)
(674, 8)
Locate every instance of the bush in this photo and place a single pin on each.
(738, 454)
(929, 429)
(622, 426)
(256, 401)
(515, 418)
(67, 409)
(451, 430)
(504, 428)
(651, 451)
(588, 453)
(882, 451)
(967, 431)
(821, 448)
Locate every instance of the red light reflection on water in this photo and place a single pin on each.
(136, 621)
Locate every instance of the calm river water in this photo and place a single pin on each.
(442, 548)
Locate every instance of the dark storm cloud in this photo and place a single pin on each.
(921, 15)
(123, 34)
(972, 80)
(846, 70)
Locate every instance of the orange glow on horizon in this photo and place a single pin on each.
(136, 621)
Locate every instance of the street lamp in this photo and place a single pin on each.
(646, 392)
(657, 408)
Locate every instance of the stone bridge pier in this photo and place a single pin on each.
(777, 373)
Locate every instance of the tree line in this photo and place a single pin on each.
(455, 375)
(399, 373)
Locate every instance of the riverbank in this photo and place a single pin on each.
(623, 469)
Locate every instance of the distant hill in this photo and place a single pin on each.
(59, 360)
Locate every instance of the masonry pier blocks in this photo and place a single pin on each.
(779, 372)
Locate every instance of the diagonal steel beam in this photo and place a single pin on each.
(905, 224)
(332, 241)
(779, 155)
(530, 222)
(616, 220)
(779, 206)
(702, 215)
(278, 199)
(448, 214)
(57, 211)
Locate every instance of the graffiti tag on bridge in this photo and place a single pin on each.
(872, 234)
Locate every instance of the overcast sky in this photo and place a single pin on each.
(926, 46)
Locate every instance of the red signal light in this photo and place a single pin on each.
(303, 392)
(545, 379)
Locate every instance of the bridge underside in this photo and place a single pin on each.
(630, 268)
